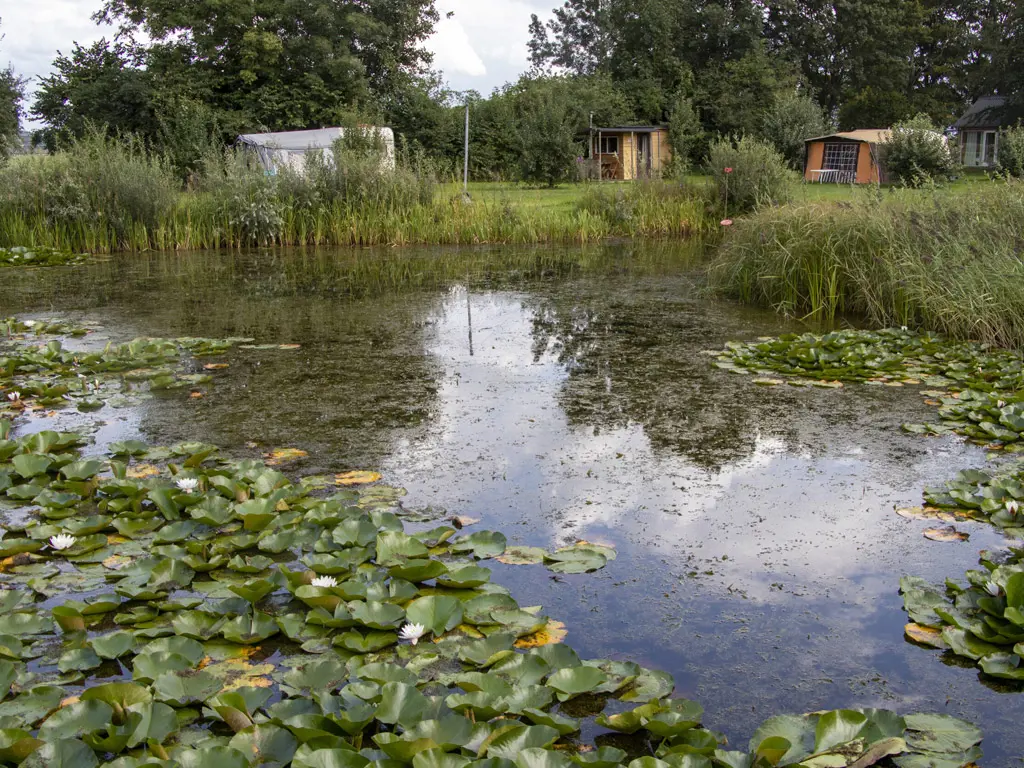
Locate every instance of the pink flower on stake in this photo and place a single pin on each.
(728, 170)
(726, 222)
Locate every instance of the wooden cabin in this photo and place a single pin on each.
(630, 152)
(846, 158)
(979, 131)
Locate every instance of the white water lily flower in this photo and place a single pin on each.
(993, 589)
(62, 541)
(325, 581)
(187, 484)
(1013, 507)
(904, 328)
(30, 323)
(1001, 404)
(412, 632)
(14, 396)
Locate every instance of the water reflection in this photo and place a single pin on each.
(758, 553)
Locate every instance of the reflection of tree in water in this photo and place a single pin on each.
(641, 363)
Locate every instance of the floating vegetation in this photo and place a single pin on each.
(983, 622)
(171, 607)
(979, 389)
(995, 496)
(39, 256)
(890, 356)
(52, 375)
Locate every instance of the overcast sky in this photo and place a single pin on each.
(481, 47)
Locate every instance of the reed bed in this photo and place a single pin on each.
(107, 195)
(942, 261)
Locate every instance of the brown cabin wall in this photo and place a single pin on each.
(661, 152)
(867, 170)
(815, 159)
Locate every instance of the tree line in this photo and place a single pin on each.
(187, 75)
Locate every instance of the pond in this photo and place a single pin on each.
(563, 394)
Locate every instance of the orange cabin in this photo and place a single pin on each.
(846, 158)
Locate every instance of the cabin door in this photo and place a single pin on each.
(643, 155)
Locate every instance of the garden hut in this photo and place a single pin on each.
(289, 149)
(846, 158)
(630, 152)
(979, 131)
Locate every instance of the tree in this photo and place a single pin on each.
(280, 64)
(12, 91)
(789, 122)
(102, 85)
(546, 132)
(686, 134)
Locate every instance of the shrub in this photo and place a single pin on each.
(917, 152)
(1011, 151)
(749, 172)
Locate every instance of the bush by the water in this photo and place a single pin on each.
(1011, 151)
(749, 173)
(917, 152)
(946, 261)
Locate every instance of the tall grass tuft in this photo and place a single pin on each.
(941, 261)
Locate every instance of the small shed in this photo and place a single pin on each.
(851, 157)
(288, 149)
(630, 152)
(979, 131)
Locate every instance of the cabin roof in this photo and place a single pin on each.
(301, 141)
(986, 112)
(633, 129)
(870, 136)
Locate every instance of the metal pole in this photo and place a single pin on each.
(465, 171)
(469, 317)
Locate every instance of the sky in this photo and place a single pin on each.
(481, 47)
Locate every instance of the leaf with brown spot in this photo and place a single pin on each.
(925, 635)
(946, 534)
(461, 522)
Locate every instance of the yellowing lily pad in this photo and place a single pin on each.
(925, 635)
(216, 366)
(552, 633)
(142, 471)
(522, 556)
(926, 513)
(946, 534)
(284, 455)
(359, 477)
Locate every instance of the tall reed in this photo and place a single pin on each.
(946, 261)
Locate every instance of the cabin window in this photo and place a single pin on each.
(609, 145)
(841, 156)
(990, 148)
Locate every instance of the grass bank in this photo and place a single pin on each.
(106, 195)
(948, 260)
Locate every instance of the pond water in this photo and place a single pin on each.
(562, 395)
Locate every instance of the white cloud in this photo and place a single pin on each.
(453, 52)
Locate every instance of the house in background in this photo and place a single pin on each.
(630, 152)
(289, 149)
(979, 130)
(852, 157)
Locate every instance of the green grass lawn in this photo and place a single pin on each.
(564, 197)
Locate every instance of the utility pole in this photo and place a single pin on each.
(465, 171)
